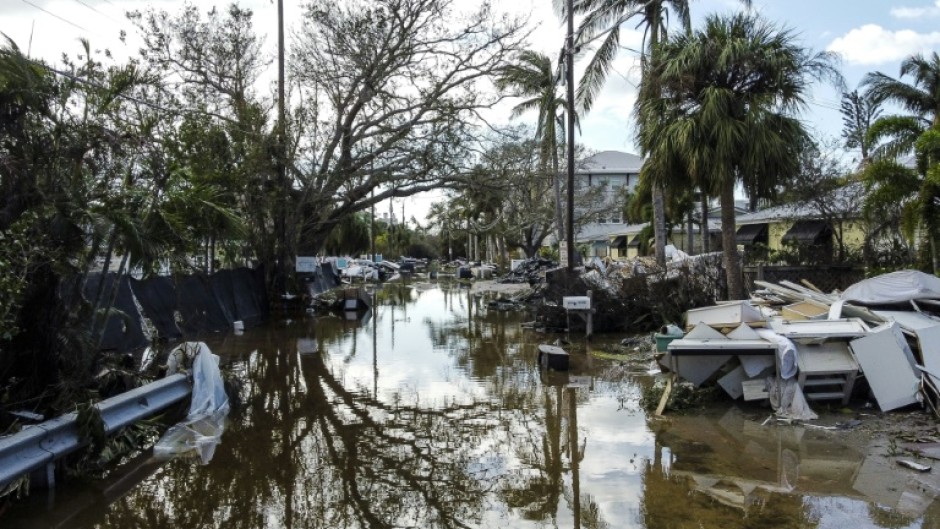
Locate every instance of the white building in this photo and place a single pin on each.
(612, 171)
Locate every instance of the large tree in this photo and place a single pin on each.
(730, 92)
(391, 93)
(603, 20)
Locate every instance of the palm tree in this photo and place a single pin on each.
(533, 78)
(921, 98)
(917, 132)
(603, 19)
(728, 95)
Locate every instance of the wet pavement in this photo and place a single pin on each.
(429, 411)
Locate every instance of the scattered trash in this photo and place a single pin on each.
(913, 466)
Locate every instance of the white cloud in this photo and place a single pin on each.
(873, 44)
(916, 12)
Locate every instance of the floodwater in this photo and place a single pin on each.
(430, 412)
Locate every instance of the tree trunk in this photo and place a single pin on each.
(559, 219)
(706, 235)
(690, 235)
(729, 247)
(659, 224)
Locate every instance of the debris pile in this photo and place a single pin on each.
(792, 343)
(531, 271)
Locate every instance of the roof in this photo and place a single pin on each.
(610, 162)
(843, 199)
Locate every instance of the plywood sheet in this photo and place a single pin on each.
(929, 341)
(886, 366)
(731, 382)
(698, 369)
(744, 332)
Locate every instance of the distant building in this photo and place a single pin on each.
(612, 172)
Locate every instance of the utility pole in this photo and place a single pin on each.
(281, 151)
(569, 75)
(372, 227)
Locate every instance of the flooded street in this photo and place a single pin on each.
(430, 412)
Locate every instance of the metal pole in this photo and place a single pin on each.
(569, 74)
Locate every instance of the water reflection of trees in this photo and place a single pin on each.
(310, 453)
(304, 450)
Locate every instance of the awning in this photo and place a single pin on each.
(808, 232)
(749, 234)
(635, 241)
(619, 242)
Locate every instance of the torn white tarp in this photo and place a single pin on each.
(896, 287)
(786, 352)
(787, 400)
(201, 432)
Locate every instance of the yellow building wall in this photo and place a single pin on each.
(775, 232)
(853, 234)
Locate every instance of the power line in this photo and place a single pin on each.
(109, 17)
(69, 22)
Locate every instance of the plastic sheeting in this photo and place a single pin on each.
(786, 352)
(203, 303)
(896, 287)
(788, 401)
(324, 279)
(201, 432)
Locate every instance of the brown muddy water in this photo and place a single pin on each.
(430, 412)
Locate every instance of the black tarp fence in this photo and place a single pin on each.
(325, 278)
(123, 330)
(181, 306)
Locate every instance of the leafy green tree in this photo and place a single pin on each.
(729, 92)
(916, 191)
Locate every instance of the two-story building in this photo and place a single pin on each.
(600, 183)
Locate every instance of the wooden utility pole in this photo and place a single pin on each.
(569, 80)
(281, 153)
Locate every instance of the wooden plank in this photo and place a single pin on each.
(665, 397)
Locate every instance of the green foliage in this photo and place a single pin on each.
(18, 253)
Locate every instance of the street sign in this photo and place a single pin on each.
(563, 253)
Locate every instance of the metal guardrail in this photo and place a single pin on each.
(39, 447)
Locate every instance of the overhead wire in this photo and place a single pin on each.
(69, 22)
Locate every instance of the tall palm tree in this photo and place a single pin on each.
(917, 132)
(602, 20)
(729, 93)
(532, 77)
(921, 97)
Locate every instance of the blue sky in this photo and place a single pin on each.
(869, 34)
